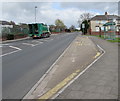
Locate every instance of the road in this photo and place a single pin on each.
(24, 62)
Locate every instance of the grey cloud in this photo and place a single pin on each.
(17, 10)
(111, 7)
(46, 12)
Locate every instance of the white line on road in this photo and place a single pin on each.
(1, 45)
(9, 53)
(15, 47)
(18, 49)
(35, 41)
(37, 44)
(4, 44)
(28, 44)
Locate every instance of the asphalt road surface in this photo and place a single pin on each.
(24, 62)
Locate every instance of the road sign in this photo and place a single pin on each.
(83, 25)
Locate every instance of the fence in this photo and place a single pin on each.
(13, 33)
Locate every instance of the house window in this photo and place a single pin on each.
(97, 22)
(97, 29)
(102, 28)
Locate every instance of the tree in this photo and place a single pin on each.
(72, 28)
(52, 28)
(59, 24)
(86, 23)
(85, 19)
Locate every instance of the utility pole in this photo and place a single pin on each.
(100, 29)
(35, 13)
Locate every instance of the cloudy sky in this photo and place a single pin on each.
(48, 12)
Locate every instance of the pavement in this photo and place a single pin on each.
(74, 60)
(24, 62)
(100, 81)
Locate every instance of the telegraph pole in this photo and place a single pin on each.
(35, 13)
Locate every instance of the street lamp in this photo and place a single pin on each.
(114, 22)
(100, 29)
(35, 12)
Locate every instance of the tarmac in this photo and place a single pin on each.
(100, 81)
(74, 60)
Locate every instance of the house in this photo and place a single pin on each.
(6, 24)
(97, 22)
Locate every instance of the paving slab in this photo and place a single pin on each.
(100, 81)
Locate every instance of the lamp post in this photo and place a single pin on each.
(114, 21)
(35, 12)
(100, 29)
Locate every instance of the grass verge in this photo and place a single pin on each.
(102, 37)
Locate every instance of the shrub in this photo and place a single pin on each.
(10, 36)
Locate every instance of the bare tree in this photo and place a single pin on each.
(72, 28)
(83, 17)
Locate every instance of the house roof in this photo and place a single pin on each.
(105, 17)
(5, 23)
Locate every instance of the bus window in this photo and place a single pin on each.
(36, 28)
(30, 29)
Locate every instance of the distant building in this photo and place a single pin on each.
(97, 22)
(6, 24)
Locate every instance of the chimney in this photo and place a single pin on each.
(106, 13)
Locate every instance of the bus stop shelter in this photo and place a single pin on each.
(110, 30)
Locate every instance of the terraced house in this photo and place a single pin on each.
(98, 21)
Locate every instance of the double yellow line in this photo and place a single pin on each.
(54, 90)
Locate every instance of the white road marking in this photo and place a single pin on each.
(73, 59)
(18, 49)
(37, 44)
(28, 44)
(35, 41)
(47, 40)
(15, 47)
(9, 53)
(1, 45)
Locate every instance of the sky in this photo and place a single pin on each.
(48, 12)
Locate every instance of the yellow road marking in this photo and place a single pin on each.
(79, 43)
(98, 54)
(54, 90)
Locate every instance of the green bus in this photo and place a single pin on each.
(39, 30)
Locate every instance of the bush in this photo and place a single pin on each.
(10, 36)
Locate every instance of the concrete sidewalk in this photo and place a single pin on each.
(100, 81)
(80, 53)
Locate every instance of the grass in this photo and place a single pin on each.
(116, 40)
(102, 37)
